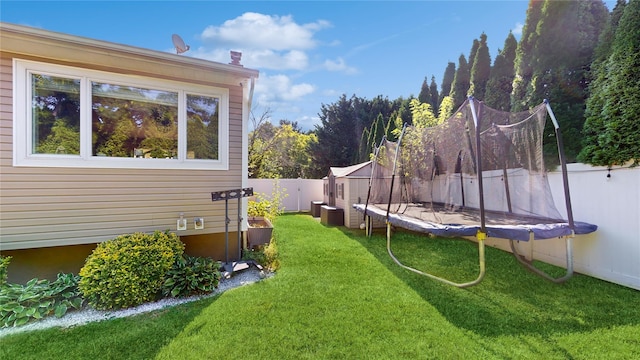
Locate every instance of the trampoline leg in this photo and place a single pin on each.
(480, 236)
(569, 245)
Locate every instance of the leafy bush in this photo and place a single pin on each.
(267, 207)
(128, 270)
(191, 276)
(38, 298)
(4, 264)
(267, 256)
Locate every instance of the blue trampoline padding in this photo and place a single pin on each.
(519, 232)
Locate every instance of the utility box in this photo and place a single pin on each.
(330, 215)
(315, 208)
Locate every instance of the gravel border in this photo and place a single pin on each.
(88, 314)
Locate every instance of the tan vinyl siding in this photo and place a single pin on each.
(43, 207)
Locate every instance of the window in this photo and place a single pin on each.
(71, 117)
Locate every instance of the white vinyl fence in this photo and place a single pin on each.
(299, 192)
(612, 253)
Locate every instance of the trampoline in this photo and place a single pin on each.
(479, 174)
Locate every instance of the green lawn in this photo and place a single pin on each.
(338, 295)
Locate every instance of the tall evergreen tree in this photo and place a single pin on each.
(474, 50)
(525, 56)
(567, 33)
(461, 82)
(594, 126)
(447, 80)
(424, 91)
(612, 127)
(481, 69)
(500, 84)
(433, 95)
(336, 144)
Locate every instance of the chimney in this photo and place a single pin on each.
(235, 57)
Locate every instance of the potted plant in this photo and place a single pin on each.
(261, 212)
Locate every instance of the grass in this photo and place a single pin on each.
(338, 295)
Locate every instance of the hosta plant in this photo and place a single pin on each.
(191, 276)
(20, 304)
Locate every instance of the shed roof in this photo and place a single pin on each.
(362, 169)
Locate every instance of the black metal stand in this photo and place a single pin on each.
(231, 267)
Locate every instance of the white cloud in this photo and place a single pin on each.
(339, 65)
(266, 41)
(278, 88)
(259, 31)
(517, 30)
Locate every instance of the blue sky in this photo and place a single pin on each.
(308, 53)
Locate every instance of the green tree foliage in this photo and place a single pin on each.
(429, 94)
(559, 58)
(202, 127)
(280, 151)
(338, 135)
(612, 128)
(56, 115)
(500, 84)
(447, 81)
(422, 114)
(424, 91)
(461, 82)
(62, 139)
(446, 109)
(125, 120)
(433, 95)
(525, 56)
(342, 124)
(480, 69)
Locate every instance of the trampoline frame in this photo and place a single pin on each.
(481, 233)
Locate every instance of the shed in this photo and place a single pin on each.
(345, 186)
(102, 139)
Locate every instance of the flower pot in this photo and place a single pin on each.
(259, 231)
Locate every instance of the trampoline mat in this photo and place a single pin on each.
(437, 220)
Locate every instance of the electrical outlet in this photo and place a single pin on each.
(182, 223)
(198, 223)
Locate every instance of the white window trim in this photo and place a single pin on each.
(22, 120)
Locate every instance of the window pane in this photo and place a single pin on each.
(202, 127)
(55, 115)
(134, 122)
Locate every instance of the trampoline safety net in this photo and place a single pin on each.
(437, 175)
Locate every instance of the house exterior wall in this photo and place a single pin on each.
(62, 206)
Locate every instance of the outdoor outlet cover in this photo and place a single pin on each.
(198, 223)
(182, 224)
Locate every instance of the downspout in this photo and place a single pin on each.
(248, 95)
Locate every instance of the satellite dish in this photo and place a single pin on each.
(179, 44)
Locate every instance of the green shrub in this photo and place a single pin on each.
(191, 276)
(128, 270)
(266, 255)
(20, 304)
(4, 264)
(267, 207)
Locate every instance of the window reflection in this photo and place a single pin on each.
(134, 122)
(56, 115)
(202, 127)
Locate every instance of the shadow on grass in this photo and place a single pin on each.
(510, 300)
(137, 337)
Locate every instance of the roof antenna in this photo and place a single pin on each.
(179, 44)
